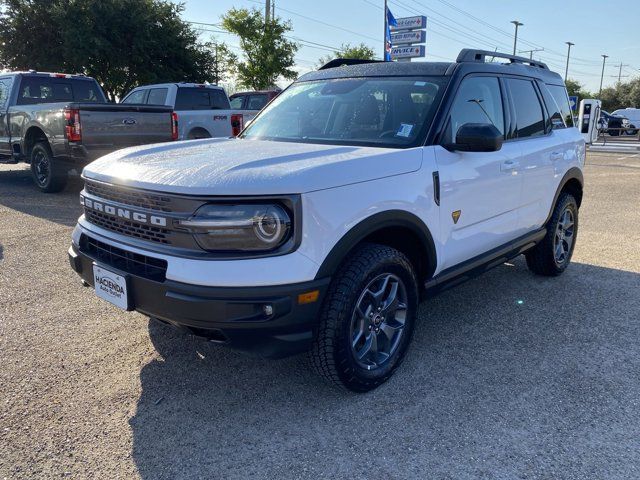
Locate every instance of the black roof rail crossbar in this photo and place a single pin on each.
(471, 55)
(342, 62)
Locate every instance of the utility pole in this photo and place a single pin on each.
(515, 38)
(216, 68)
(531, 52)
(566, 70)
(273, 10)
(604, 59)
(267, 11)
(620, 71)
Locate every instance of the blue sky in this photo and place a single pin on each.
(455, 24)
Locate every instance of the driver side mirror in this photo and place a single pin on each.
(477, 137)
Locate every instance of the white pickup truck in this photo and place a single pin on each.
(202, 110)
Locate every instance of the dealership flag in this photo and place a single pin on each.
(389, 20)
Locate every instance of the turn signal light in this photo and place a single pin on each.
(308, 297)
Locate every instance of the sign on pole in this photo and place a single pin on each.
(410, 23)
(402, 38)
(573, 101)
(409, 51)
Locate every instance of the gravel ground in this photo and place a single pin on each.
(509, 375)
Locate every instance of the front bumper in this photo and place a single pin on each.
(233, 316)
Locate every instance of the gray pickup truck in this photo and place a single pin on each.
(59, 122)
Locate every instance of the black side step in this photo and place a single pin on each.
(480, 264)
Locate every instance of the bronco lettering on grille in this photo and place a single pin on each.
(123, 213)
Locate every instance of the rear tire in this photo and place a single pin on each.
(552, 255)
(367, 319)
(47, 173)
(198, 133)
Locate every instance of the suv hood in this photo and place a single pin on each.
(249, 167)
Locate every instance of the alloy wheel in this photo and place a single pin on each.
(563, 239)
(378, 321)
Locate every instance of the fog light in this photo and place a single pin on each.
(268, 310)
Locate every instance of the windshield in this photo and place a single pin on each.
(375, 111)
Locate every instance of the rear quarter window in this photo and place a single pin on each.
(559, 94)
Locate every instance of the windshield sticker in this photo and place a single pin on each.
(404, 130)
(420, 84)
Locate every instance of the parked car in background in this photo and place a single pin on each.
(253, 101)
(633, 114)
(59, 122)
(201, 110)
(615, 125)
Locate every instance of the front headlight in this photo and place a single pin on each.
(240, 227)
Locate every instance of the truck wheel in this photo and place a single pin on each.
(367, 319)
(197, 133)
(47, 173)
(552, 256)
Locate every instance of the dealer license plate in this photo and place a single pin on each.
(111, 287)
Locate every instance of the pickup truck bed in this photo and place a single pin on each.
(59, 122)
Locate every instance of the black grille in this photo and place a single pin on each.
(127, 196)
(125, 227)
(133, 263)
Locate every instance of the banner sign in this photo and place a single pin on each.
(401, 38)
(409, 23)
(410, 51)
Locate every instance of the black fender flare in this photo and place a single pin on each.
(574, 173)
(372, 224)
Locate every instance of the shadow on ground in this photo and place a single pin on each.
(18, 192)
(508, 376)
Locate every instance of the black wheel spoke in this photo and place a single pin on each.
(378, 321)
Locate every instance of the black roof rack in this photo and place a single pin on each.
(342, 62)
(471, 55)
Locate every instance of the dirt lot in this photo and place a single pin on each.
(509, 376)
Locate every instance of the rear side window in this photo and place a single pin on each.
(201, 99)
(157, 96)
(236, 102)
(256, 102)
(86, 91)
(136, 97)
(559, 94)
(478, 100)
(529, 117)
(35, 90)
(219, 99)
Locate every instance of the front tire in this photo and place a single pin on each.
(47, 173)
(367, 319)
(552, 255)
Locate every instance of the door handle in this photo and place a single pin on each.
(509, 165)
(555, 156)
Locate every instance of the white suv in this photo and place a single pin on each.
(355, 192)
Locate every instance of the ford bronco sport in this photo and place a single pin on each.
(357, 191)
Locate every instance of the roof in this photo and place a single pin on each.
(468, 61)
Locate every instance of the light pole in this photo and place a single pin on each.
(566, 71)
(604, 59)
(515, 38)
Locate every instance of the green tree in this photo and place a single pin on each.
(223, 61)
(575, 88)
(121, 43)
(361, 51)
(267, 53)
